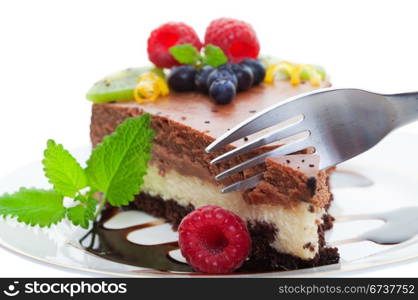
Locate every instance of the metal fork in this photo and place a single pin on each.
(338, 123)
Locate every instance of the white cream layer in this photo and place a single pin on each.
(297, 225)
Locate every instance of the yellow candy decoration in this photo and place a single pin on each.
(283, 67)
(150, 86)
(294, 72)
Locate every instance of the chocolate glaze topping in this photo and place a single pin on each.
(195, 109)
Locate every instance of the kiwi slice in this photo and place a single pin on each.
(304, 75)
(118, 86)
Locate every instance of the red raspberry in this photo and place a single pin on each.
(214, 240)
(166, 36)
(236, 38)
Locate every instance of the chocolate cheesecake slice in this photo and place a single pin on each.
(286, 213)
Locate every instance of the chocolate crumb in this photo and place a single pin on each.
(311, 209)
(183, 118)
(161, 172)
(207, 122)
(303, 160)
(312, 185)
(309, 246)
(245, 139)
(287, 161)
(228, 129)
(311, 166)
(252, 111)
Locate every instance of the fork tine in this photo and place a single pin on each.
(272, 116)
(243, 184)
(287, 131)
(286, 149)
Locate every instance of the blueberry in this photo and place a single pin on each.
(222, 91)
(181, 78)
(201, 79)
(227, 66)
(244, 75)
(222, 72)
(258, 69)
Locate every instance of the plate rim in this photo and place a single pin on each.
(273, 274)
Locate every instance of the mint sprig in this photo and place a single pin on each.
(63, 170)
(33, 206)
(185, 54)
(115, 168)
(110, 167)
(189, 55)
(214, 56)
(83, 213)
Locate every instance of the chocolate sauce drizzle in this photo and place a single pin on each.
(113, 244)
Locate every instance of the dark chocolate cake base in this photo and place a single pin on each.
(263, 257)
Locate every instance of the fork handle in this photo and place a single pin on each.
(406, 107)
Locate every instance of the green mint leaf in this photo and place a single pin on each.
(185, 54)
(117, 166)
(214, 56)
(83, 213)
(62, 170)
(33, 206)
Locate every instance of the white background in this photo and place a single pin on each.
(51, 52)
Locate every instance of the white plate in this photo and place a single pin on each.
(390, 168)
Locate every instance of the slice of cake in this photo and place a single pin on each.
(286, 212)
(208, 94)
